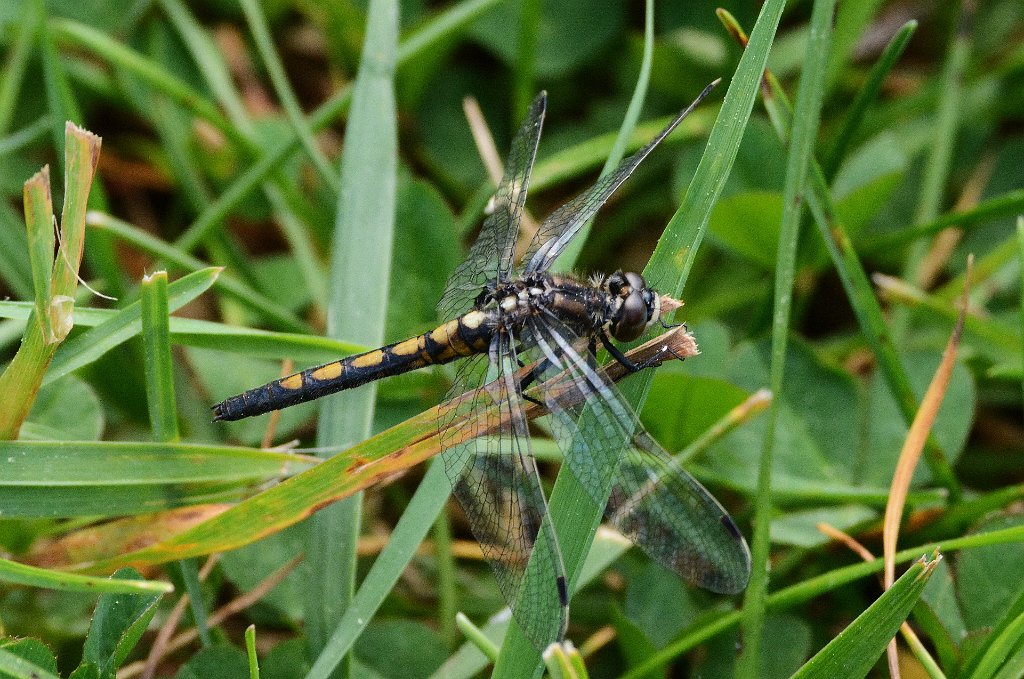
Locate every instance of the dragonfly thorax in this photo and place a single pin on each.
(620, 304)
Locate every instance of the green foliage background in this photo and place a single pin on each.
(194, 100)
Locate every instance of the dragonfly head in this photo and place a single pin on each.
(635, 306)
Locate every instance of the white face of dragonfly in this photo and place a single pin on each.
(635, 308)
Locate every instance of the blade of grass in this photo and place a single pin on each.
(32, 576)
(439, 29)
(567, 260)
(671, 262)
(806, 117)
(123, 325)
(852, 275)
(867, 94)
(360, 276)
(17, 61)
(156, 342)
(812, 587)
(39, 221)
(265, 45)
(23, 376)
(855, 650)
(163, 416)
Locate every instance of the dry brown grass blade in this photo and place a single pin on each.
(912, 448)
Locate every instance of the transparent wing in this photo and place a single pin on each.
(562, 225)
(492, 255)
(494, 477)
(653, 501)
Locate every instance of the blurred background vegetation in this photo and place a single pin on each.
(186, 107)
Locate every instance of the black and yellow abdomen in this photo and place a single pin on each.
(464, 336)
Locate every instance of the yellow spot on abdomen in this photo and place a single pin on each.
(328, 372)
(443, 334)
(368, 359)
(408, 347)
(292, 381)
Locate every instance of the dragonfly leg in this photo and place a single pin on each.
(531, 377)
(629, 365)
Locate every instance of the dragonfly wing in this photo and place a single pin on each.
(660, 507)
(494, 477)
(653, 500)
(562, 225)
(492, 256)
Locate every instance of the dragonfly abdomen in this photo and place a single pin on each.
(469, 334)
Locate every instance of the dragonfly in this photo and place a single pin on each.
(525, 335)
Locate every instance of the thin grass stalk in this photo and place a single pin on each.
(806, 117)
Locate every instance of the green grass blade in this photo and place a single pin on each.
(359, 283)
(417, 519)
(156, 342)
(275, 69)
(567, 260)
(105, 478)
(855, 650)
(671, 263)
(32, 576)
(867, 95)
(806, 117)
(39, 221)
(124, 325)
(808, 589)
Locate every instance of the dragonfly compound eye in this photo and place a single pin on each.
(631, 318)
